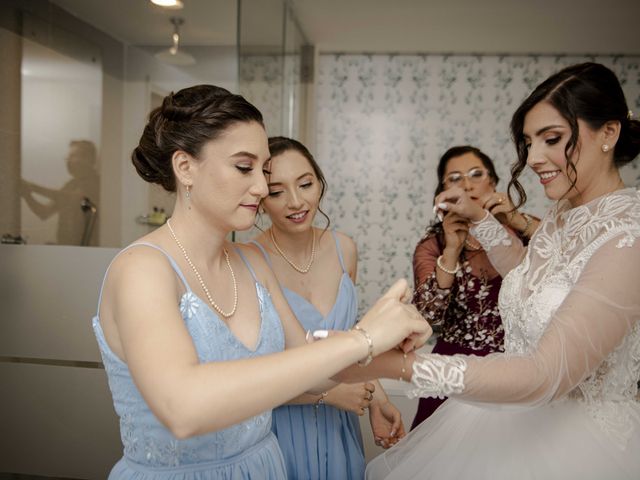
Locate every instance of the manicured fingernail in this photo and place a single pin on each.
(306, 337)
(393, 433)
(320, 334)
(443, 206)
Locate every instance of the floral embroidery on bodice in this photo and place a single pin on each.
(531, 293)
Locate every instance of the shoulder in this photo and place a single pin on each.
(347, 244)
(429, 240)
(256, 259)
(349, 249)
(141, 268)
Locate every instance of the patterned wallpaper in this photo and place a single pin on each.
(384, 120)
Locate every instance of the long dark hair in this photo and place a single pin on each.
(589, 92)
(280, 145)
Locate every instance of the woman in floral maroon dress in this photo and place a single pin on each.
(456, 288)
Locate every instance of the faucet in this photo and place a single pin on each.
(90, 210)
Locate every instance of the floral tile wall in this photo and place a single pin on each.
(384, 120)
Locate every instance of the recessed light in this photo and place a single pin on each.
(172, 4)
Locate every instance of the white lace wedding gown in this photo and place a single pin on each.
(561, 402)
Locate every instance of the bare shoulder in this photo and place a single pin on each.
(348, 245)
(140, 268)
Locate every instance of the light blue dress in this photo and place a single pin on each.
(247, 450)
(321, 442)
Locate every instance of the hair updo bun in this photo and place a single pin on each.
(186, 121)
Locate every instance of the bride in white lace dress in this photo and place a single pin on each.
(561, 402)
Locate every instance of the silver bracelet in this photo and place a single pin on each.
(445, 269)
(369, 357)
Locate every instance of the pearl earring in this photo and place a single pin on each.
(605, 148)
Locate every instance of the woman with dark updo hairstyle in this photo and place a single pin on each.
(192, 328)
(562, 401)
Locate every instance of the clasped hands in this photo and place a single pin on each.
(392, 322)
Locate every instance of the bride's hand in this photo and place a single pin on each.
(390, 322)
(456, 200)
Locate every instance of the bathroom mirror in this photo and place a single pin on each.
(61, 105)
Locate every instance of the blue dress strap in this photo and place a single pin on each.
(264, 252)
(339, 250)
(173, 263)
(244, 259)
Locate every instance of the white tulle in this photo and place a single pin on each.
(561, 402)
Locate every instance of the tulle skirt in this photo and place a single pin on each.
(557, 441)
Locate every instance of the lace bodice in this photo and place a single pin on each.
(570, 310)
(563, 244)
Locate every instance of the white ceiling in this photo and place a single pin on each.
(139, 22)
(394, 26)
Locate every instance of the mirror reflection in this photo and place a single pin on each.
(87, 79)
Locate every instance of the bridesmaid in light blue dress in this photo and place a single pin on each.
(192, 328)
(318, 434)
(245, 450)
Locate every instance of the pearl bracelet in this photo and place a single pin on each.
(482, 219)
(445, 269)
(320, 400)
(369, 357)
(403, 369)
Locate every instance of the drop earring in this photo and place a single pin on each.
(605, 148)
(188, 196)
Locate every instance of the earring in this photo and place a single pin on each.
(188, 195)
(605, 148)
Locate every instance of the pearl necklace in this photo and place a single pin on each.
(204, 287)
(296, 267)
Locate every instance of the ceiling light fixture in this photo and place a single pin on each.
(171, 4)
(173, 55)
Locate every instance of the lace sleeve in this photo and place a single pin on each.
(437, 376)
(594, 319)
(504, 249)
